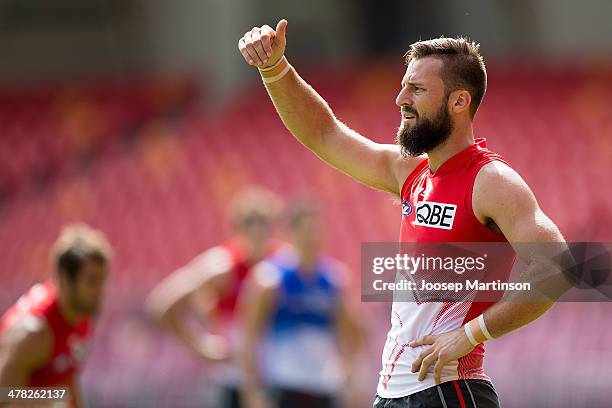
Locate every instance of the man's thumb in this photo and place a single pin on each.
(281, 27)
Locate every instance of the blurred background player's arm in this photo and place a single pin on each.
(255, 304)
(310, 119)
(351, 337)
(193, 288)
(25, 347)
(76, 392)
(350, 329)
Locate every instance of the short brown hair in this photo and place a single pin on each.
(300, 210)
(253, 201)
(77, 244)
(463, 66)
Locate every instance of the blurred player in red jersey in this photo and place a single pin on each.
(208, 287)
(45, 336)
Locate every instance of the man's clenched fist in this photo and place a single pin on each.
(263, 46)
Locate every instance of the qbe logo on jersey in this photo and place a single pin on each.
(435, 215)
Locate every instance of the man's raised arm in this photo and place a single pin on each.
(309, 118)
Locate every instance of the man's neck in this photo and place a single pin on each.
(457, 141)
(254, 250)
(68, 314)
(308, 259)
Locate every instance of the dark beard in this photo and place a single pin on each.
(426, 134)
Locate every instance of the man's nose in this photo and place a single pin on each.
(403, 98)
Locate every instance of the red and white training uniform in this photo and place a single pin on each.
(70, 343)
(450, 190)
(232, 256)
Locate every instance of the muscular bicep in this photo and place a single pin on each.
(23, 349)
(377, 165)
(12, 370)
(502, 196)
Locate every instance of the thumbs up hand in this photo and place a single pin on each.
(262, 46)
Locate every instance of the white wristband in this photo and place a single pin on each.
(470, 336)
(269, 80)
(483, 327)
(270, 68)
(276, 71)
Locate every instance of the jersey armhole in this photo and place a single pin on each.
(469, 198)
(413, 174)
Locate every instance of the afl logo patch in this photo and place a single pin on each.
(435, 215)
(406, 208)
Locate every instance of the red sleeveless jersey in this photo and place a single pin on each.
(70, 343)
(241, 264)
(222, 317)
(437, 207)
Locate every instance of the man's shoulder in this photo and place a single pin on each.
(30, 337)
(497, 174)
(408, 167)
(498, 188)
(213, 261)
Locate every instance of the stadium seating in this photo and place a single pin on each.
(161, 196)
(141, 163)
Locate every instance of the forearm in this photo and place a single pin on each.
(253, 311)
(547, 277)
(350, 340)
(251, 381)
(548, 274)
(172, 322)
(349, 361)
(76, 394)
(303, 111)
(513, 312)
(504, 317)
